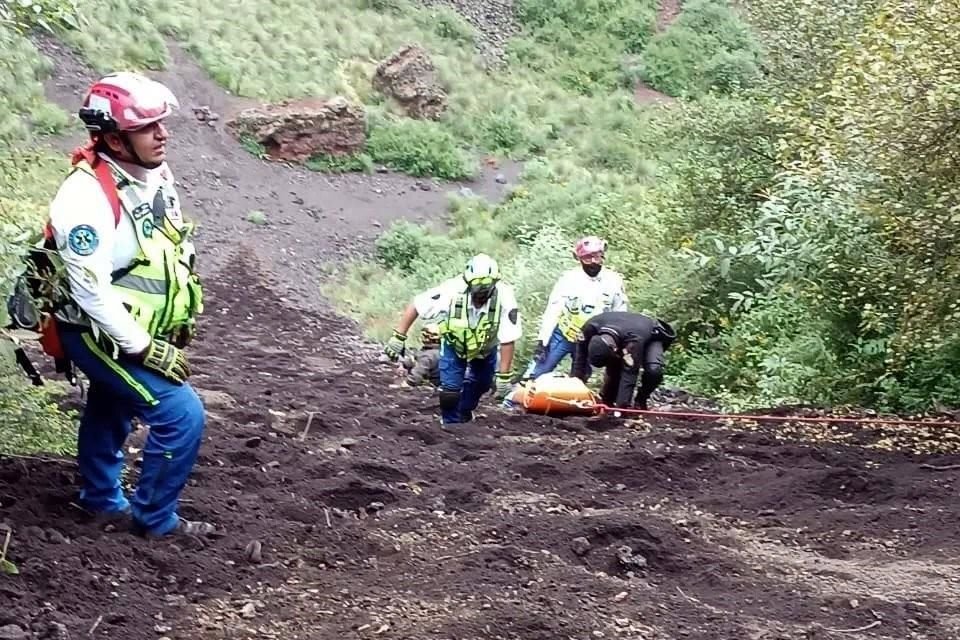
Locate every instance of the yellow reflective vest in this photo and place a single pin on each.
(576, 312)
(471, 342)
(160, 288)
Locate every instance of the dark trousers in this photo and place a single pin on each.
(651, 378)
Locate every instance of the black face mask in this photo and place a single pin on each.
(592, 269)
(480, 295)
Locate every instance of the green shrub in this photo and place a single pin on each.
(419, 148)
(400, 247)
(129, 39)
(24, 109)
(708, 48)
(31, 421)
(448, 24)
(581, 43)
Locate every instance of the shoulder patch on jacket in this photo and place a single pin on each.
(513, 315)
(83, 240)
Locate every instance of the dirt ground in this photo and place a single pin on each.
(373, 522)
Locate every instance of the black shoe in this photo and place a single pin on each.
(108, 521)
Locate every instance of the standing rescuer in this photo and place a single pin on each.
(477, 314)
(129, 301)
(578, 295)
(624, 343)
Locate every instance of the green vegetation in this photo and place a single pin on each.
(417, 147)
(30, 420)
(798, 225)
(707, 48)
(793, 213)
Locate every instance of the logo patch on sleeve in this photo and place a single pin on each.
(83, 240)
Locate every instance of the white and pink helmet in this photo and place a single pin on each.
(589, 246)
(125, 101)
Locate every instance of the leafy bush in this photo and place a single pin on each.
(707, 48)
(52, 15)
(580, 43)
(30, 421)
(23, 107)
(449, 24)
(130, 37)
(419, 148)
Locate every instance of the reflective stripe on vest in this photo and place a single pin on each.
(160, 289)
(467, 342)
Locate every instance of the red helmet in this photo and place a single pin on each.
(589, 245)
(125, 101)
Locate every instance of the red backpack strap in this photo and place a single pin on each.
(104, 176)
(109, 186)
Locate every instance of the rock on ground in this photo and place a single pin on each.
(409, 77)
(297, 129)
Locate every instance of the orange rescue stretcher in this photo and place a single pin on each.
(557, 395)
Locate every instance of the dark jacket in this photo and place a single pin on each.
(633, 333)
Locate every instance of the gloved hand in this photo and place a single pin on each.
(541, 353)
(167, 360)
(395, 346)
(503, 384)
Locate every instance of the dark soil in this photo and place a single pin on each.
(511, 527)
(378, 523)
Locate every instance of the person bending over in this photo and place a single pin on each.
(624, 343)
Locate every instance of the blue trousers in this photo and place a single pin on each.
(119, 391)
(557, 348)
(471, 378)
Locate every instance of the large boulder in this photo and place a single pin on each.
(409, 77)
(297, 129)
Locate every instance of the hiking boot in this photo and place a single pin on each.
(192, 528)
(108, 521)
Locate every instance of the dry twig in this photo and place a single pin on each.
(17, 456)
(306, 430)
(866, 627)
(937, 467)
(680, 591)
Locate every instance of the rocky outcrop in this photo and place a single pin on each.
(298, 129)
(409, 77)
(493, 20)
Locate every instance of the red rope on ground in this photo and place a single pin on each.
(604, 409)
